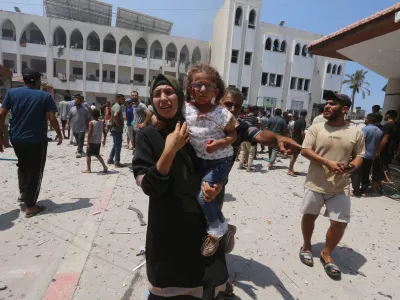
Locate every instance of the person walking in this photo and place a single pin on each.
(63, 110)
(30, 108)
(117, 129)
(277, 125)
(298, 134)
(334, 150)
(248, 150)
(6, 138)
(79, 116)
(372, 136)
(129, 124)
(141, 114)
(320, 118)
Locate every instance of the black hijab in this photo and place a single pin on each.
(172, 82)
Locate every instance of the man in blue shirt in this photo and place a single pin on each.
(373, 136)
(129, 120)
(30, 107)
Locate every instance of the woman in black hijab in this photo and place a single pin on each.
(165, 166)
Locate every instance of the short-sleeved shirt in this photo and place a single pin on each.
(63, 109)
(79, 118)
(277, 125)
(339, 144)
(29, 108)
(390, 129)
(139, 113)
(245, 133)
(373, 136)
(319, 119)
(117, 109)
(205, 127)
(129, 116)
(252, 119)
(264, 122)
(299, 126)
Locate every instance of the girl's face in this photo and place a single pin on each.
(203, 88)
(165, 101)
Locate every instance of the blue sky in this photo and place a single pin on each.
(194, 19)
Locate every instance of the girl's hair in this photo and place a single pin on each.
(204, 68)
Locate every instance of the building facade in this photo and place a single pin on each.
(269, 62)
(98, 61)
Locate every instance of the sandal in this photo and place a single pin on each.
(331, 269)
(306, 258)
(293, 174)
(30, 215)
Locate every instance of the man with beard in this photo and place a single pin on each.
(334, 150)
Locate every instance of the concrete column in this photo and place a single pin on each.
(84, 67)
(67, 60)
(116, 68)
(147, 70)
(101, 62)
(163, 63)
(392, 97)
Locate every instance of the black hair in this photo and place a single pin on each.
(95, 113)
(372, 118)
(93, 103)
(278, 112)
(392, 114)
(234, 91)
(376, 106)
(379, 119)
(120, 96)
(67, 97)
(303, 113)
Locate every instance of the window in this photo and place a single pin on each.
(138, 77)
(77, 71)
(101, 100)
(272, 79)
(235, 56)
(9, 64)
(339, 70)
(182, 57)
(238, 16)
(293, 83)
(306, 84)
(140, 51)
(264, 78)
(245, 91)
(247, 58)
(39, 65)
(300, 84)
(252, 19)
(283, 46)
(171, 55)
(232, 86)
(112, 75)
(304, 51)
(276, 45)
(97, 73)
(104, 74)
(7, 33)
(334, 69)
(297, 49)
(268, 43)
(157, 53)
(278, 81)
(329, 69)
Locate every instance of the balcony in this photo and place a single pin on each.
(75, 84)
(155, 64)
(170, 66)
(109, 58)
(33, 49)
(124, 60)
(9, 46)
(140, 62)
(76, 54)
(107, 88)
(60, 82)
(59, 52)
(124, 88)
(182, 68)
(93, 56)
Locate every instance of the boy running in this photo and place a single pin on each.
(96, 128)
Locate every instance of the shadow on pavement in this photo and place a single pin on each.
(6, 219)
(109, 172)
(251, 271)
(54, 208)
(301, 173)
(348, 260)
(229, 198)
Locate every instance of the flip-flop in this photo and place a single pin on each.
(329, 267)
(86, 171)
(306, 255)
(293, 175)
(40, 209)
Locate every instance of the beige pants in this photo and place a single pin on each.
(247, 153)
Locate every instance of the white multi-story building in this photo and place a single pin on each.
(78, 50)
(268, 62)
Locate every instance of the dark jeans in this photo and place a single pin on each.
(116, 149)
(80, 139)
(361, 176)
(213, 171)
(31, 162)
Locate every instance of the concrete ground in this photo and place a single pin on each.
(84, 246)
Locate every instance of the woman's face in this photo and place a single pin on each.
(165, 101)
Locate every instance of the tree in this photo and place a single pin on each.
(356, 82)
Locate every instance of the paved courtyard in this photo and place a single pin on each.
(84, 246)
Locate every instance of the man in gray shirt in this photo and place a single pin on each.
(79, 116)
(141, 114)
(63, 111)
(277, 125)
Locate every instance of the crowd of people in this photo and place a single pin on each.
(184, 146)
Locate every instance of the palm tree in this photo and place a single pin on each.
(356, 82)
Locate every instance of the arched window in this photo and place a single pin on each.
(238, 16)
(276, 45)
(125, 46)
(59, 37)
(141, 48)
(32, 34)
(304, 51)
(339, 70)
(297, 49)
(76, 39)
(196, 55)
(334, 69)
(93, 42)
(8, 31)
(252, 19)
(268, 44)
(329, 69)
(109, 44)
(156, 50)
(283, 46)
(171, 52)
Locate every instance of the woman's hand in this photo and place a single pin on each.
(177, 139)
(209, 193)
(212, 146)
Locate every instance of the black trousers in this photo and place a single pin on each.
(80, 139)
(31, 162)
(361, 176)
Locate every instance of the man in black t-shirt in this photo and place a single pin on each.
(298, 135)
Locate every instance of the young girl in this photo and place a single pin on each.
(212, 131)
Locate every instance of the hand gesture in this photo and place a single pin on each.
(59, 139)
(287, 145)
(335, 166)
(212, 146)
(141, 125)
(177, 139)
(209, 193)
